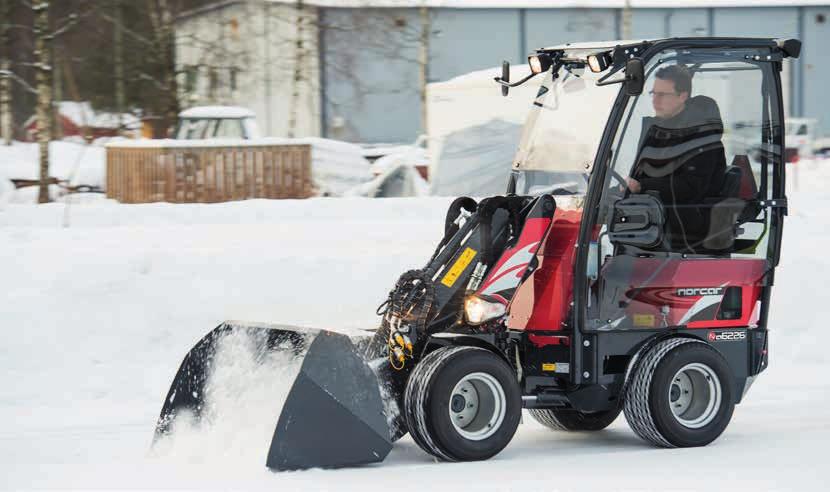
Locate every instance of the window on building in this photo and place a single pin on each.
(233, 76)
(213, 82)
(191, 78)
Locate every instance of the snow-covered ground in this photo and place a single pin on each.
(96, 317)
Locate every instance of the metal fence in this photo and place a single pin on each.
(207, 174)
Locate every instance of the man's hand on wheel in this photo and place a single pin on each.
(633, 185)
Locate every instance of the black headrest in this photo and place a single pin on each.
(702, 109)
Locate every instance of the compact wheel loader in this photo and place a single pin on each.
(628, 268)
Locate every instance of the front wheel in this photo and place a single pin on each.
(680, 395)
(462, 404)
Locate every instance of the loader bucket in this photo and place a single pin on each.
(333, 415)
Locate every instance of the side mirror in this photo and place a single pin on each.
(505, 76)
(635, 77)
(638, 221)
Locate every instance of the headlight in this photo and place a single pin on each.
(539, 63)
(599, 62)
(478, 310)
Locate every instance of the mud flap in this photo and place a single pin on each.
(333, 415)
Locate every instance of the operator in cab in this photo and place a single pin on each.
(681, 157)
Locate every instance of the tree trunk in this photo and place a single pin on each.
(43, 81)
(423, 65)
(299, 57)
(168, 50)
(164, 37)
(118, 58)
(5, 71)
(57, 95)
(5, 102)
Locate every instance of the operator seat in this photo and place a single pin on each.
(728, 207)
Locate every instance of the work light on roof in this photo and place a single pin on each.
(539, 63)
(599, 62)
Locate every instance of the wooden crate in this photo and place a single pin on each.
(207, 174)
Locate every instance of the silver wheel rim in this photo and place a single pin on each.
(477, 406)
(695, 395)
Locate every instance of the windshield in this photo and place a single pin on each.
(202, 128)
(562, 133)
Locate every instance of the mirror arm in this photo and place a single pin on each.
(604, 80)
(500, 81)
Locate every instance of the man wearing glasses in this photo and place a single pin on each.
(681, 156)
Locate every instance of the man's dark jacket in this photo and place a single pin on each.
(682, 159)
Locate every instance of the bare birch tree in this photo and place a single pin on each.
(44, 37)
(162, 18)
(118, 56)
(43, 83)
(299, 60)
(5, 71)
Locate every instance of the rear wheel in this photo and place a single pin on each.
(680, 395)
(462, 404)
(572, 420)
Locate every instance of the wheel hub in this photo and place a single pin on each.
(477, 406)
(695, 395)
(459, 403)
(675, 393)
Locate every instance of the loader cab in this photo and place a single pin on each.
(681, 224)
(679, 214)
(683, 216)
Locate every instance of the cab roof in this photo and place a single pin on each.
(594, 46)
(228, 112)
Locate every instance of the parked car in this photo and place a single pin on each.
(203, 122)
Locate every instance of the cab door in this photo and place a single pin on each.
(686, 232)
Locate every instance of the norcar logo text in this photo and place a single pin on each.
(699, 291)
(726, 336)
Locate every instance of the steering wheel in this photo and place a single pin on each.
(618, 194)
(619, 177)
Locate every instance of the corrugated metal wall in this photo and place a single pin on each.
(814, 101)
(464, 40)
(370, 85)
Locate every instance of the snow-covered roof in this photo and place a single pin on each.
(547, 4)
(83, 115)
(217, 112)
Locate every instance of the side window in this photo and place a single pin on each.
(681, 213)
(695, 140)
(194, 129)
(229, 128)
